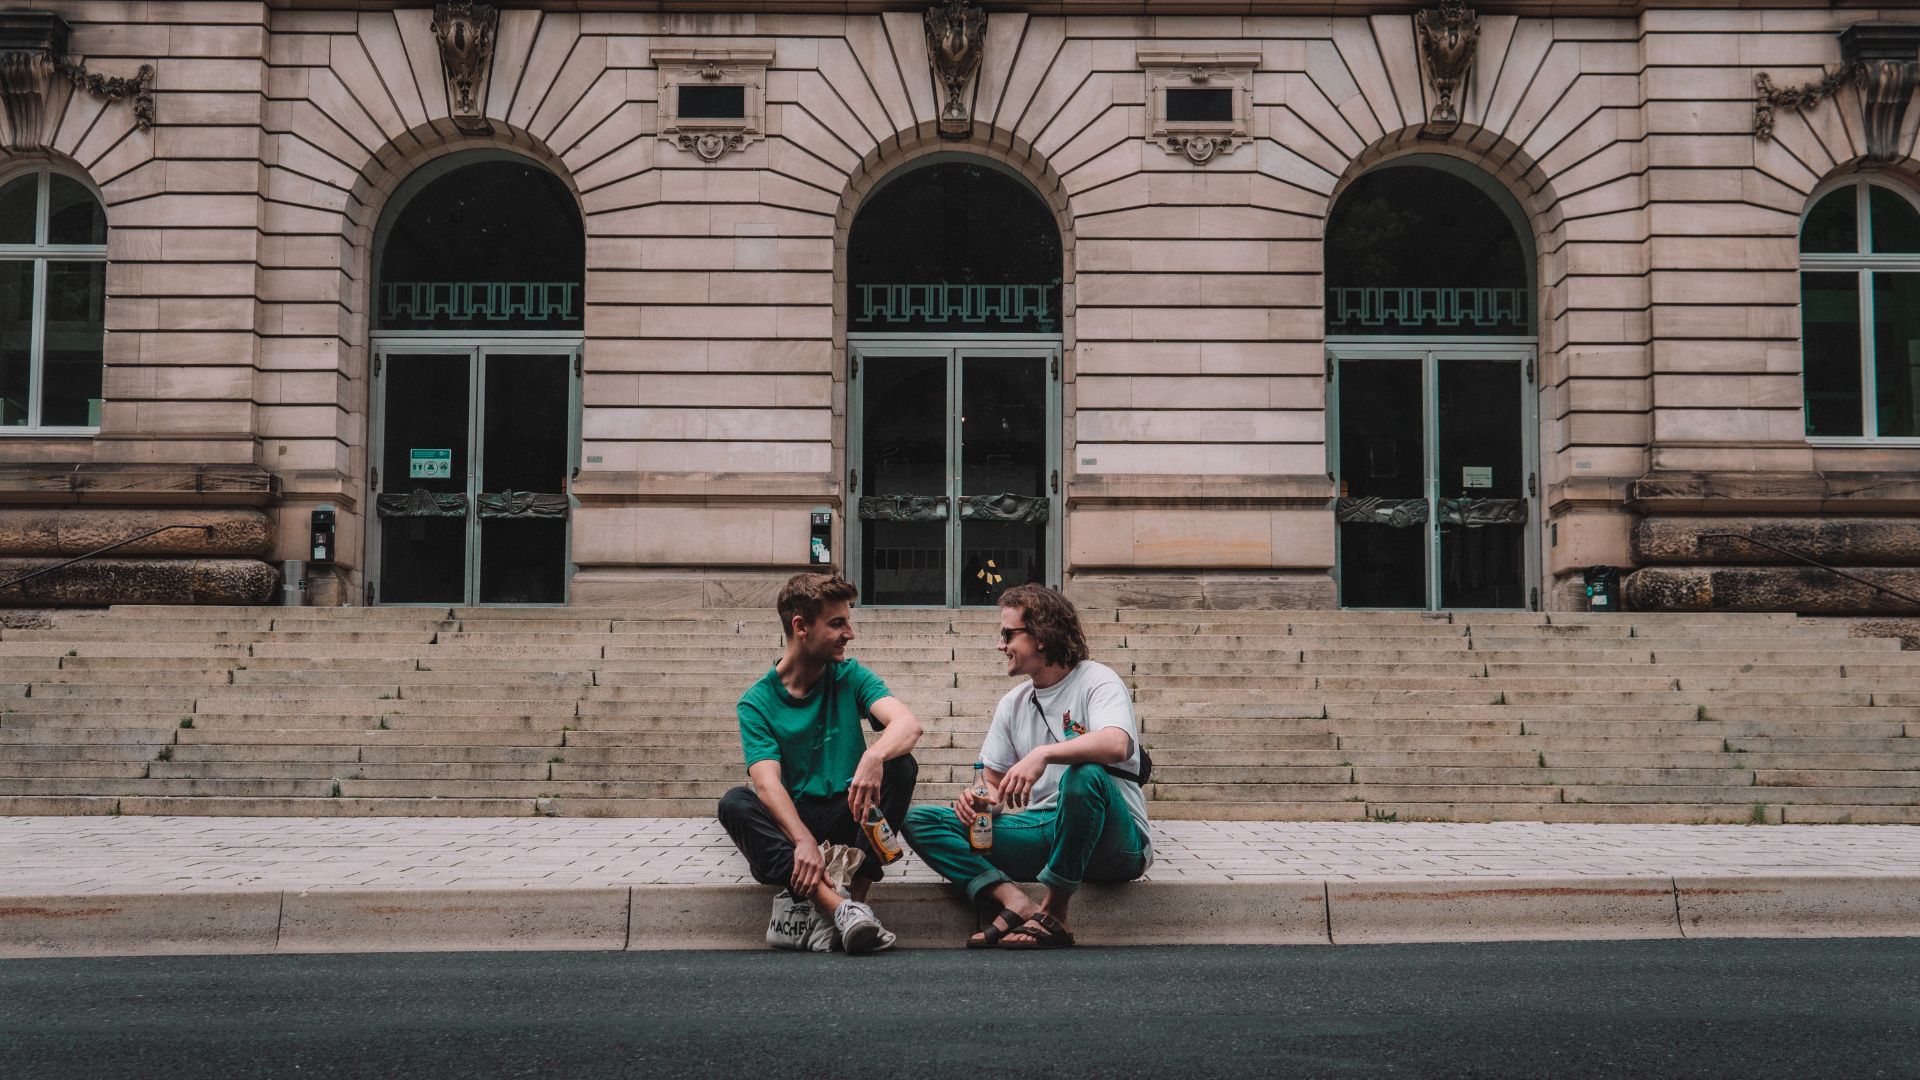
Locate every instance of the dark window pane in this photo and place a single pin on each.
(1003, 452)
(76, 324)
(1199, 106)
(16, 341)
(1830, 352)
(1482, 473)
(523, 561)
(1382, 464)
(74, 216)
(497, 245)
(1416, 250)
(713, 102)
(1896, 352)
(1896, 225)
(424, 559)
(904, 403)
(1830, 224)
(19, 203)
(526, 423)
(957, 247)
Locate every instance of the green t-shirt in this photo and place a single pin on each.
(816, 739)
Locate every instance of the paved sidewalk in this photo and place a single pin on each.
(80, 856)
(148, 885)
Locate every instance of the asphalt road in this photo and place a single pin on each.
(1747, 1009)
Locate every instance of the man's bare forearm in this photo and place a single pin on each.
(773, 795)
(1108, 746)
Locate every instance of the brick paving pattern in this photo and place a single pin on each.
(94, 855)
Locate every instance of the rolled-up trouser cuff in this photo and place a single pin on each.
(1057, 883)
(985, 880)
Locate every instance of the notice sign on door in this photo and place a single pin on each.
(429, 464)
(1476, 476)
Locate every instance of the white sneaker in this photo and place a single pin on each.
(860, 932)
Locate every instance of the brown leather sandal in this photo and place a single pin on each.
(1043, 931)
(1003, 924)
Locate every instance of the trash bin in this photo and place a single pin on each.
(1603, 588)
(293, 583)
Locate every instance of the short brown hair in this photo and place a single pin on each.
(805, 594)
(1052, 621)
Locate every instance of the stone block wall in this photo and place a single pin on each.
(1195, 428)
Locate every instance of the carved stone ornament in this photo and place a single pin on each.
(712, 144)
(956, 40)
(465, 31)
(33, 49)
(1199, 149)
(1176, 71)
(1449, 37)
(1881, 60)
(712, 137)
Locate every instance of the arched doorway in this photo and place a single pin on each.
(1430, 338)
(953, 317)
(476, 330)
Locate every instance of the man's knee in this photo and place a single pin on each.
(924, 821)
(1084, 781)
(900, 770)
(737, 804)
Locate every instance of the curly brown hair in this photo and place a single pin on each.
(1052, 621)
(806, 594)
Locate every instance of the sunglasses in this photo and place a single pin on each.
(1006, 633)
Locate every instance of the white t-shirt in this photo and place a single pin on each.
(1090, 698)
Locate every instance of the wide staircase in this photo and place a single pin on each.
(1250, 714)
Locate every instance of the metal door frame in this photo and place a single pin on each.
(862, 348)
(1432, 352)
(477, 347)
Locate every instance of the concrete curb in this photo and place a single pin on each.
(670, 917)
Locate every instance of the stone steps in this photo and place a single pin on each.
(1341, 715)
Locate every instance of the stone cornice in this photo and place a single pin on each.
(1538, 8)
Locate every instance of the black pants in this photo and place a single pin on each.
(770, 854)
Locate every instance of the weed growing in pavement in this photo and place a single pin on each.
(1343, 764)
(115, 812)
(556, 760)
(1383, 816)
(186, 721)
(386, 697)
(1759, 814)
(1356, 798)
(1699, 712)
(1543, 758)
(73, 652)
(335, 793)
(165, 754)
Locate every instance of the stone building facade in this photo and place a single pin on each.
(1384, 307)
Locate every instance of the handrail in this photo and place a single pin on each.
(31, 574)
(1792, 554)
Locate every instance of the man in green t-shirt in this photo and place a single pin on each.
(813, 777)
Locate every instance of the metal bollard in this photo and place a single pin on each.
(293, 583)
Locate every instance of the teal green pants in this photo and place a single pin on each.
(1087, 835)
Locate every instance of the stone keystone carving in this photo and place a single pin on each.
(956, 39)
(33, 49)
(1882, 60)
(465, 32)
(1449, 36)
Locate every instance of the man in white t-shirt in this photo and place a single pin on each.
(1063, 760)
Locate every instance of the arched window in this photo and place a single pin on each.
(1860, 312)
(53, 289)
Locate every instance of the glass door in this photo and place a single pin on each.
(471, 490)
(954, 475)
(1433, 454)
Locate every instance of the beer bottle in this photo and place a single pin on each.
(880, 837)
(980, 836)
